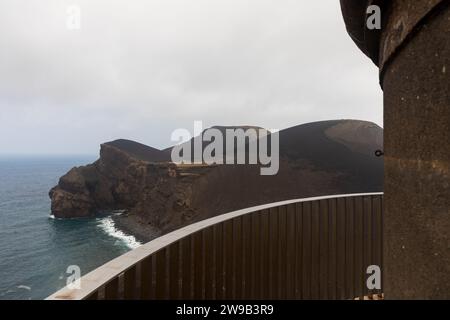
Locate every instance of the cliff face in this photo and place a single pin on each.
(117, 181)
(322, 158)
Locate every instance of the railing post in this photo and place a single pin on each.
(186, 273)
(174, 271)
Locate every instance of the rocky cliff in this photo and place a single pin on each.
(322, 158)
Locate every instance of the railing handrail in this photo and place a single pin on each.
(112, 269)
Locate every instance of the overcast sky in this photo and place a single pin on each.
(141, 69)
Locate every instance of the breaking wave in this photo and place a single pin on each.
(108, 226)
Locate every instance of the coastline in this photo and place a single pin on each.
(132, 226)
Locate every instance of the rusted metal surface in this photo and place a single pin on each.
(316, 248)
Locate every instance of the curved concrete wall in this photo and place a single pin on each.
(416, 85)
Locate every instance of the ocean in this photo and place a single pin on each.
(35, 248)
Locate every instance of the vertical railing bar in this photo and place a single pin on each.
(378, 239)
(355, 250)
(287, 248)
(290, 240)
(228, 258)
(280, 255)
(347, 294)
(102, 292)
(284, 252)
(120, 287)
(130, 283)
(364, 224)
(242, 264)
(220, 280)
(111, 289)
(203, 264)
(319, 251)
(167, 273)
(244, 256)
(186, 268)
(252, 261)
(146, 278)
(307, 261)
(245, 232)
(233, 261)
(338, 246)
(138, 290)
(345, 248)
(324, 235)
(372, 232)
(253, 256)
(329, 252)
(351, 249)
(237, 261)
(173, 273)
(160, 274)
(324, 252)
(362, 249)
(288, 256)
(279, 274)
(296, 257)
(266, 280)
(192, 264)
(315, 254)
(357, 203)
(353, 295)
(336, 249)
(214, 263)
(258, 255)
(270, 255)
(197, 264)
(300, 241)
(208, 261)
(382, 240)
(275, 263)
(153, 275)
(332, 266)
(368, 242)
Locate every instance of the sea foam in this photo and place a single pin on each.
(108, 226)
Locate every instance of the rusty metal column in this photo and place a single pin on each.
(415, 65)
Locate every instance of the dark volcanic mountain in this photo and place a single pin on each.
(322, 158)
(140, 151)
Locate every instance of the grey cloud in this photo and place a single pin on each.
(140, 69)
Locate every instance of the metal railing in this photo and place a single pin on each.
(314, 248)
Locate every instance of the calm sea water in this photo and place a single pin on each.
(35, 249)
